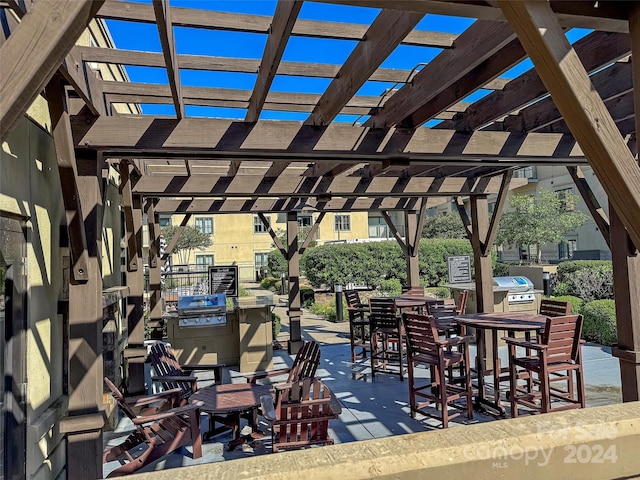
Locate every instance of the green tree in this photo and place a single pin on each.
(443, 225)
(537, 220)
(189, 239)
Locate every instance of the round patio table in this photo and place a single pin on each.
(495, 322)
(227, 404)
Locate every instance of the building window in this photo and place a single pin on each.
(204, 260)
(562, 196)
(205, 225)
(378, 228)
(261, 265)
(305, 220)
(164, 221)
(258, 226)
(566, 247)
(527, 172)
(342, 223)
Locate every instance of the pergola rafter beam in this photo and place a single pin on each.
(279, 32)
(35, 51)
(162, 12)
(384, 35)
(476, 44)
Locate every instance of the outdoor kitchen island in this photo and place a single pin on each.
(510, 294)
(234, 331)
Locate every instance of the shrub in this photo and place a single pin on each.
(327, 310)
(307, 296)
(586, 279)
(600, 322)
(576, 303)
(276, 325)
(372, 262)
(276, 263)
(391, 287)
(439, 292)
(269, 283)
(501, 269)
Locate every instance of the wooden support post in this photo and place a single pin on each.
(84, 422)
(293, 261)
(135, 352)
(413, 239)
(481, 255)
(626, 281)
(580, 104)
(155, 272)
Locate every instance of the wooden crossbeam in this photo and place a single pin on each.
(68, 172)
(477, 78)
(162, 12)
(283, 21)
(595, 51)
(384, 35)
(267, 205)
(312, 233)
(478, 42)
(404, 246)
(610, 83)
(145, 136)
(176, 236)
(131, 225)
(34, 52)
(240, 22)
(494, 224)
(583, 110)
(295, 186)
(590, 200)
(607, 16)
(274, 236)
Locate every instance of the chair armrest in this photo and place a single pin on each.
(518, 342)
(253, 377)
(335, 405)
(174, 378)
(167, 413)
(267, 407)
(447, 342)
(195, 366)
(141, 400)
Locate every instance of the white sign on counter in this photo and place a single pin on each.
(459, 269)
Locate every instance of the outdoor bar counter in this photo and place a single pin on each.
(244, 339)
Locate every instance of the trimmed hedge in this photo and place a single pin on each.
(307, 296)
(372, 263)
(576, 303)
(600, 322)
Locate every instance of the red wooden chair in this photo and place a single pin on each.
(301, 414)
(358, 325)
(425, 347)
(171, 374)
(387, 344)
(158, 432)
(558, 357)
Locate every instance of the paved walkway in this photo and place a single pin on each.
(371, 408)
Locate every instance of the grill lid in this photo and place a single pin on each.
(513, 284)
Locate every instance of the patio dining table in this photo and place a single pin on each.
(495, 322)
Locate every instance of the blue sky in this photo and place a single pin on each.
(136, 36)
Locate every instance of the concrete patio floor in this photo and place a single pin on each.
(370, 408)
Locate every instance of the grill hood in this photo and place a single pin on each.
(513, 284)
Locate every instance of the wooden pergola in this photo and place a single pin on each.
(575, 108)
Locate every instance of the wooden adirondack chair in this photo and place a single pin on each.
(301, 414)
(171, 374)
(554, 308)
(304, 366)
(160, 430)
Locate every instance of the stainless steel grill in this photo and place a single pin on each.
(520, 289)
(202, 310)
